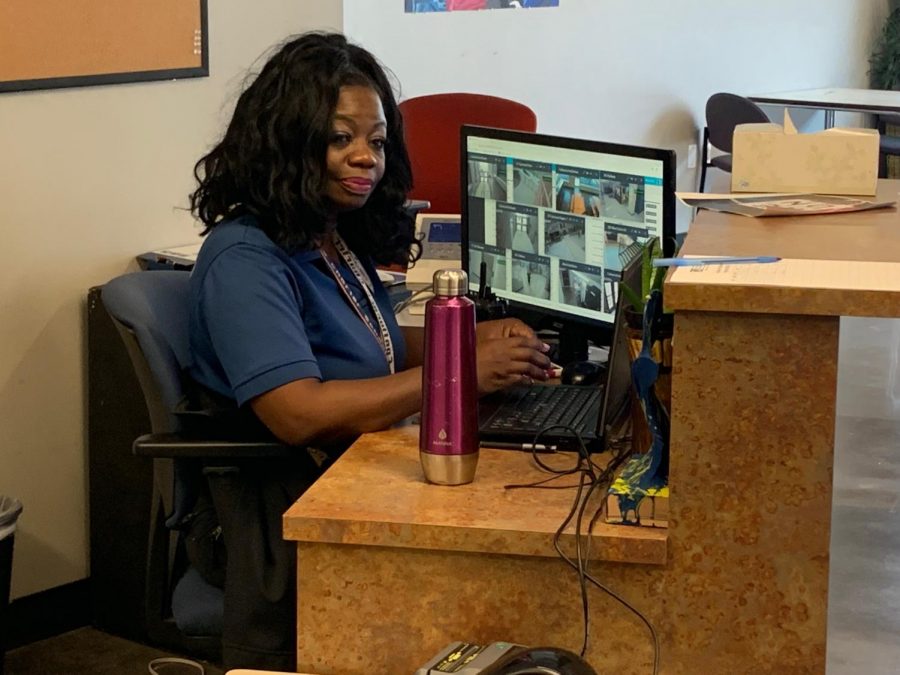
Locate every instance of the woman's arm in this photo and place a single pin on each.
(311, 411)
(414, 336)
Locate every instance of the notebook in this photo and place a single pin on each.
(513, 417)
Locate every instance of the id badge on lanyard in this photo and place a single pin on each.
(381, 334)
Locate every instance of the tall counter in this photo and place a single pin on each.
(390, 569)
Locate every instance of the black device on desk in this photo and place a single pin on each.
(584, 373)
(585, 408)
(504, 658)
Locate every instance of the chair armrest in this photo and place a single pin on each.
(178, 446)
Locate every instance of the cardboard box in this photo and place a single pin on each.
(775, 158)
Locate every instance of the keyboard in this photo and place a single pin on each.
(530, 409)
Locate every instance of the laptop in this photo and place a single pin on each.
(513, 418)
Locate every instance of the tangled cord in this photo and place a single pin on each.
(595, 477)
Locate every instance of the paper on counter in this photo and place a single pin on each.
(854, 275)
(781, 204)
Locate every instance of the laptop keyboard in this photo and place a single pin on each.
(530, 409)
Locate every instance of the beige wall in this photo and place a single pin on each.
(89, 177)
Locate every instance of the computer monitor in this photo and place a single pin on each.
(555, 221)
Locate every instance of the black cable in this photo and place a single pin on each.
(587, 468)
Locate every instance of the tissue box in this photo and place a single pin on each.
(775, 158)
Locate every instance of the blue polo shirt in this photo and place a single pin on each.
(261, 318)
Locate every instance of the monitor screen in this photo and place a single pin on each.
(555, 220)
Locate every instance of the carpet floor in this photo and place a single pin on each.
(88, 651)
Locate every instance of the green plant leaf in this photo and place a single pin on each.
(636, 301)
(650, 251)
(884, 71)
(656, 282)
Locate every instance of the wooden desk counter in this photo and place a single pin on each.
(390, 570)
(753, 412)
(862, 237)
(398, 508)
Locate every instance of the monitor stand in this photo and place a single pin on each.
(573, 345)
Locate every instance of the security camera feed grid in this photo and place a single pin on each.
(531, 275)
(532, 183)
(487, 177)
(620, 243)
(581, 286)
(517, 227)
(622, 198)
(578, 195)
(494, 260)
(554, 222)
(564, 236)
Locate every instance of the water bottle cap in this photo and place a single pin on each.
(450, 282)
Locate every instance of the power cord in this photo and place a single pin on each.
(596, 477)
(421, 294)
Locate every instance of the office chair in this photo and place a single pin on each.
(889, 145)
(150, 309)
(723, 113)
(431, 127)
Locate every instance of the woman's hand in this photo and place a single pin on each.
(502, 328)
(508, 353)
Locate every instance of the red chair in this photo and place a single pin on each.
(431, 127)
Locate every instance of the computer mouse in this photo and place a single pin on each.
(582, 372)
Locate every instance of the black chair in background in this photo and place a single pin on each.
(889, 145)
(723, 113)
(150, 309)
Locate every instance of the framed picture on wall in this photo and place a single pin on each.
(48, 44)
(423, 6)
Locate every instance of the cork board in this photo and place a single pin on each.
(64, 43)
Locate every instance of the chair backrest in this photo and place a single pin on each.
(724, 112)
(151, 311)
(431, 126)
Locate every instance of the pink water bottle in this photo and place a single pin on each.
(448, 437)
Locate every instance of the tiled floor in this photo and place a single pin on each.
(864, 606)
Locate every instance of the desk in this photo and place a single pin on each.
(391, 569)
(738, 583)
(832, 98)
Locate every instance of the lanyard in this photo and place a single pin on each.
(382, 335)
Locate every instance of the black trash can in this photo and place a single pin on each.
(9, 513)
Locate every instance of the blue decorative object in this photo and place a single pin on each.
(645, 475)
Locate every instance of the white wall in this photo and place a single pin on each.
(621, 70)
(91, 177)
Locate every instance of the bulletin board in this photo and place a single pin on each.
(46, 44)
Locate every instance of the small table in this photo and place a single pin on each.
(831, 99)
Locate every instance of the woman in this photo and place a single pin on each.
(300, 198)
(309, 180)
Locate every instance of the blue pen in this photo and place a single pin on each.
(720, 260)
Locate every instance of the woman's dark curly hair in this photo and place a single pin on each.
(271, 161)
